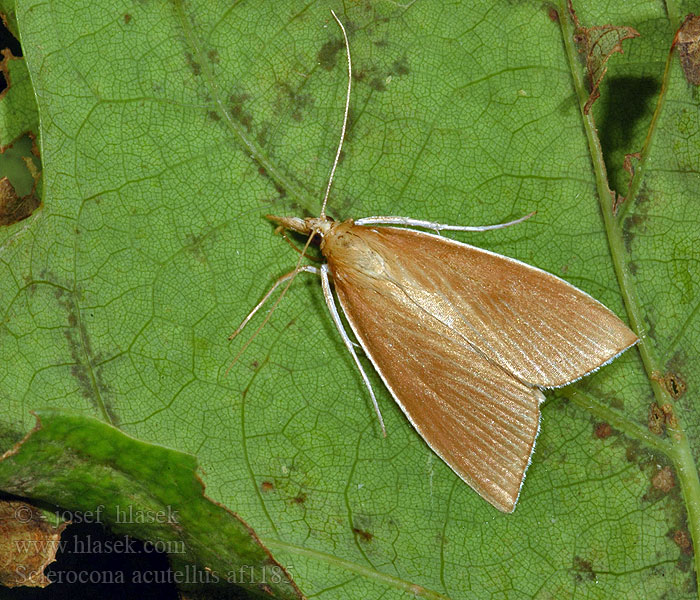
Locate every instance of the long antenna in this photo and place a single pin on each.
(345, 117)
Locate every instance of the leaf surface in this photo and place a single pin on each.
(169, 131)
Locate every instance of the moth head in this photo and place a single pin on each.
(308, 226)
(293, 223)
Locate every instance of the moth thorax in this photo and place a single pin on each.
(346, 247)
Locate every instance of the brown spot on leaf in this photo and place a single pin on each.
(687, 41)
(674, 384)
(300, 498)
(400, 67)
(213, 115)
(263, 135)
(378, 84)
(267, 486)
(670, 416)
(583, 569)
(682, 540)
(244, 118)
(663, 480)
(642, 199)
(553, 14)
(213, 56)
(616, 200)
(602, 431)
(14, 208)
(193, 64)
(280, 190)
(619, 199)
(299, 102)
(86, 367)
(629, 225)
(328, 54)
(127, 18)
(664, 413)
(597, 44)
(627, 163)
(656, 419)
(365, 536)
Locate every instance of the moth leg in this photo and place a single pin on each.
(330, 302)
(437, 227)
(279, 230)
(266, 297)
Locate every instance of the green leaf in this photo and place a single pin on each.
(18, 112)
(143, 489)
(19, 134)
(169, 131)
(7, 10)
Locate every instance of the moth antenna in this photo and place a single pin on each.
(345, 117)
(437, 227)
(289, 277)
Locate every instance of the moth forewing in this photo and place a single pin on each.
(433, 343)
(536, 326)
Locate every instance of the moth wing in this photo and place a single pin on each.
(543, 330)
(473, 414)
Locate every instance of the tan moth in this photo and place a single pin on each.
(464, 339)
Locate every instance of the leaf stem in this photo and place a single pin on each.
(678, 449)
(604, 412)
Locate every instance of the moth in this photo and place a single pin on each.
(464, 339)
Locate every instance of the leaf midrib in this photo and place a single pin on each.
(676, 446)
